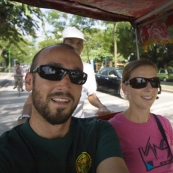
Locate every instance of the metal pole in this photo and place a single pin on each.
(9, 62)
(137, 47)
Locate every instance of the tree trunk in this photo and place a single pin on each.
(88, 54)
(115, 45)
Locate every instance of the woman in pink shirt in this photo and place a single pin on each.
(144, 148)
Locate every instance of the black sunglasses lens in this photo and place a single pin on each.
(155, 82)
(138, 83)
(51, 72)
(57, 73)
(77, 77)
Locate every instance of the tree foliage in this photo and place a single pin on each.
(125, 36)
(162, 55)
(16, 21)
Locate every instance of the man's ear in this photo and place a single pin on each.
(28, 81)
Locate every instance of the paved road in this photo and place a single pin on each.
(11, 105)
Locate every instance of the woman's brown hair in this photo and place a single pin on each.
(131, 66)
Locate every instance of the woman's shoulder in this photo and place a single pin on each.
(161, 117)
(116, 117)
(164, 121)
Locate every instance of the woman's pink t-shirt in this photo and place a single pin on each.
(143, 146)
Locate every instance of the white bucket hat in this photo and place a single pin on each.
(72, 32)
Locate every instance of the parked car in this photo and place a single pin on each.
(109, 79)
(165, 74)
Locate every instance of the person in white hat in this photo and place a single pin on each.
(72, 36)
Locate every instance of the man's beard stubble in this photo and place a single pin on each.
(42, 107)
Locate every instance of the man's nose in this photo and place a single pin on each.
(66, 78)
(64, 83)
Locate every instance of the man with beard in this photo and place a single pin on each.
(75, 38)
(52, 140)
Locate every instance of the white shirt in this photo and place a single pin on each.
(88, 88)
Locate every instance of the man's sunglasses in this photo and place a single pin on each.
(141, 82)
(55, 73)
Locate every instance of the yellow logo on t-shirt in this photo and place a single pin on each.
(83, 163)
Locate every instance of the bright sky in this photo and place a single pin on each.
(47, 26)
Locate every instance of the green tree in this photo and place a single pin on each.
(120, 39)
(17, 20)
(125, 36)
(101, 45)
(160, 54)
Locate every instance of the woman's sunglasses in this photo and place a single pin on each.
(55, 73)
(141, 82)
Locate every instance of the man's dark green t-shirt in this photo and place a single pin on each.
(88, 142)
